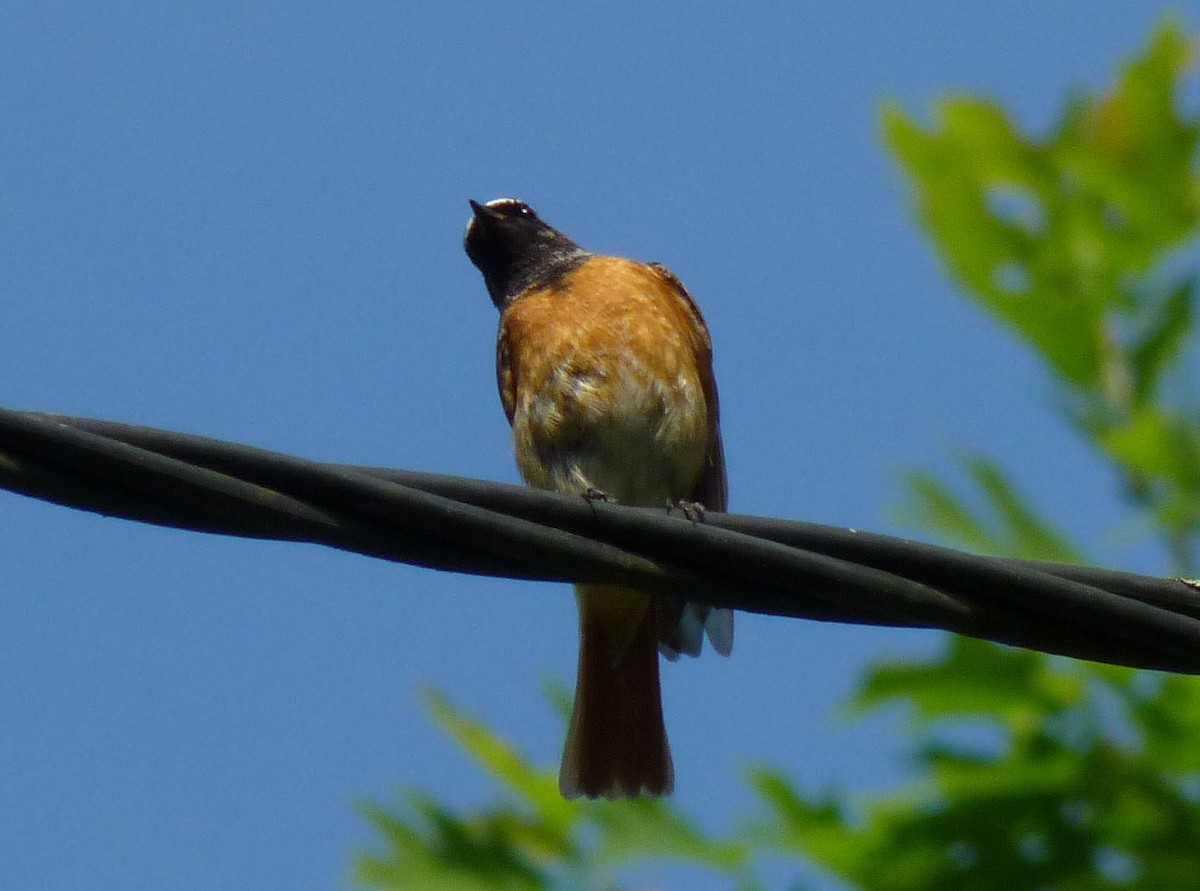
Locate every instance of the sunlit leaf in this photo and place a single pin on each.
(1170, 725)
(819, 828)
(1025, 533)
(1158, 445)
(432, 848)
(649, 828)
(958, 171)
(933, 507)
(1161, 340)
(973, 678)
(1102, 199)
(1004, 525)
(539, 787)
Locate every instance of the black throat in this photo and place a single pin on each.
(511, 275)
(516, 253)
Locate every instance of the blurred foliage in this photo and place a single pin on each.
(1007, 525)
(1028, 772)
(1083, 243)
(535, 839)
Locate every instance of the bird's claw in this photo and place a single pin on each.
(693, 510)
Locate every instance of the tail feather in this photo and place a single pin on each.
(617, 743)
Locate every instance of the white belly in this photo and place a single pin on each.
(633, 437)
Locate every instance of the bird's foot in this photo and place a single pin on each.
(693, 510)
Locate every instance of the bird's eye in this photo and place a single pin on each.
(511, 207)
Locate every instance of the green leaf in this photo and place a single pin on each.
(1025, 533)
(1158, 445)
(537, 787)
(973, 678)
(1006, 525)
(652, 829)
(1162, 339)
(524, 844)
(932, 506)
(1169, 722)
(1135, 148)
(817, 829)
(973, 155)
(1107, 196)
(432, 848)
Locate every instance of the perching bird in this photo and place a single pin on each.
(605, 372)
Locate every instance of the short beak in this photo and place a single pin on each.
(482, 211)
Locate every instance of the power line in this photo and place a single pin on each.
(755, 564)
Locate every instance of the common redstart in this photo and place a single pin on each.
(605, 373)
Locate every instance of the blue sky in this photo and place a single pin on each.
(244, 220)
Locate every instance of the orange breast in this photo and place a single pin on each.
(601, 377)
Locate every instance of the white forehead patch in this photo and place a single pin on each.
(495, 202)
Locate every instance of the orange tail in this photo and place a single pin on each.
(617, 743)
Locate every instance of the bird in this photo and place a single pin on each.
(604, 367)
